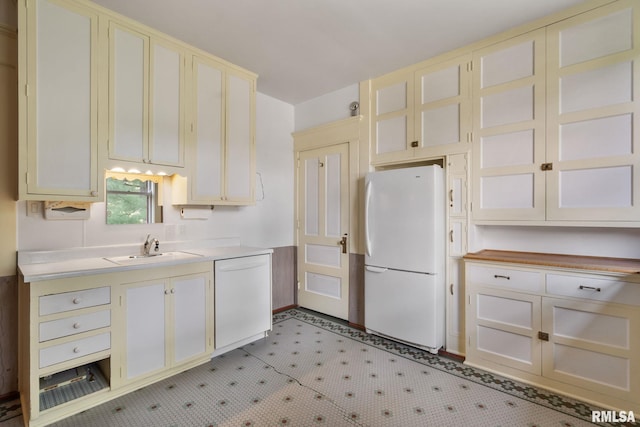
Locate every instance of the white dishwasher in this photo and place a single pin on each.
(242, 299)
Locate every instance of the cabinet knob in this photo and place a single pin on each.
(76, 325)
(166, 291)
(94, 193)
(173, 291)
(76, 349)
(77, 300)
(414, 144)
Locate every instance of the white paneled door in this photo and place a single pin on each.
(323, 224)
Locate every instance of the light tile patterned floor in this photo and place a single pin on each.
(316, 371)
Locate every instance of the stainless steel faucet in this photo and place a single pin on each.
(151, 241)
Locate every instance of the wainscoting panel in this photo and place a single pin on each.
(8, 335)
(284, 277)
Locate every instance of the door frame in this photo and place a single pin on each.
(339, 132)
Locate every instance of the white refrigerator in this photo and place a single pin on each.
(405, 255)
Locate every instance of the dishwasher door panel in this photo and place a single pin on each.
(242, 298)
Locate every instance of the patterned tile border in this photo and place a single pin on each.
(526, 392)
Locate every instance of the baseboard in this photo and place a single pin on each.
(9, 396)
(281, 309)
(453, 356)
(357, 326)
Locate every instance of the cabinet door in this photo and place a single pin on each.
(584, 338)
(503, 326)
(508, 129)
(455, 307)
(128, 94)
(166, 110)
(145, 310)
(593, 118)
(443, 108)
(240, 147)
(62, 106)
(207, 149)
(392, 125)
(191, 300)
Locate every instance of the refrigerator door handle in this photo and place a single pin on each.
(376, 269)
(367, 199)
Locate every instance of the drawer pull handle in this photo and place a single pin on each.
(77, 300)
(590, 288)
(76, 349)
(76, 325)
(499, 276)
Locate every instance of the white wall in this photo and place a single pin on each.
(589, 241)
(267, 224)
(326, 108)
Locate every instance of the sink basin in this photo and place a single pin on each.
(151, 258)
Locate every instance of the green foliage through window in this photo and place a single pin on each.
(131, 201)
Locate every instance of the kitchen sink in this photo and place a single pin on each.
(151, 258)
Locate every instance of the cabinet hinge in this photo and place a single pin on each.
(26, 90)
(469, 137)
(26, 178)
(470, 66)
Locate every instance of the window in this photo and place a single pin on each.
(133, 199)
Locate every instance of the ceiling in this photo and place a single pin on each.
(302, 49)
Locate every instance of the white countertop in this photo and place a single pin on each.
(48, 265)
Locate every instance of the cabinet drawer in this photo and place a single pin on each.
(67, 301)
(74, 349)
(74, 325)
(507, 278)
(608, 290)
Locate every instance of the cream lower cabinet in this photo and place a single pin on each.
(167, 321)
(575, 333)
(66, 332)
(100, 336)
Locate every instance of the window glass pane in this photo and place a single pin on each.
(132, 202)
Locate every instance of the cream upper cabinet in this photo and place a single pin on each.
(146, 98)
(207, 149)
(508, 122)
(443, 108)
(221, 159)
(58, 101)
(574, 155)
(593, 115)
(392, 117)
(423, 113)
(240, 147)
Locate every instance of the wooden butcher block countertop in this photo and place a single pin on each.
(613, 265)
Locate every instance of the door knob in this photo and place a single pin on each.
(343, 242)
